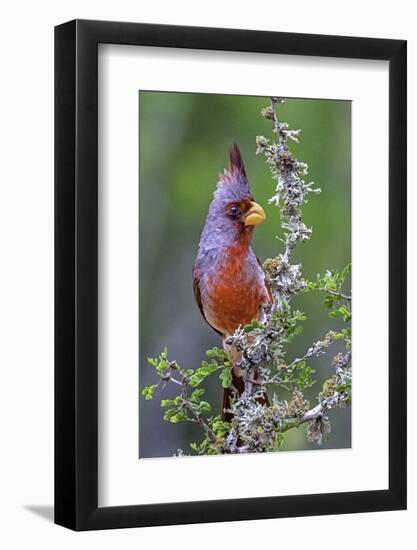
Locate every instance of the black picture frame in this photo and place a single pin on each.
(76, 272)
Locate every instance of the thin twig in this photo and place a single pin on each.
(197, 416)
(335, 293)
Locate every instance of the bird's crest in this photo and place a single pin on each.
(234, 180)
(236, 161)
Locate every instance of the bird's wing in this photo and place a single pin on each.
(267, 286)
(197, 296)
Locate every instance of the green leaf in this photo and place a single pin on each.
(279, 440)
(221, 428)
(175, 416)
(226, 377)
(329, 301)
(216, 353)
(293, 332)
(169, 414)
(254, 324)
(204, 407)
(200, 448)
(161, 363)
(180, 417)
(335, 314)
(303, 376)
(299, 316)
(201, 374)
(149, 391)
(186, 373)
(311, 285)
(291, 422)
(171, 402)
(195, 396)
(330, 281)
(341, 312)
(345, 272)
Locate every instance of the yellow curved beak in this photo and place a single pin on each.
(255, 215)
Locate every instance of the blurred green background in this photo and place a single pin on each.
(184, 141)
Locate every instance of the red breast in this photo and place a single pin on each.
(234, 296)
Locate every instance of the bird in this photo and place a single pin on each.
(228, 281)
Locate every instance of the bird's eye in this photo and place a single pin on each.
(234, 210)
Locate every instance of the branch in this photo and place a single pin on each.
(318, 348)
(198, 418)
(290, 194)
(335, 293)
(337, 399)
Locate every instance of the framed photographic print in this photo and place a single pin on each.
(230, 248)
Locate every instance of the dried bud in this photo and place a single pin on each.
(329, 387)
(298, 405)
(278, 100)
(261, 144)
(270, 267)
(268, 113)
(319, 430)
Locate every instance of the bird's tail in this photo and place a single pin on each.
(237, 382)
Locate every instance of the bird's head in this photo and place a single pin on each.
(233, 213)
